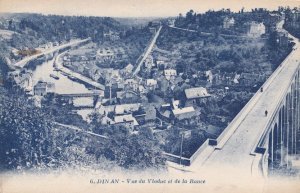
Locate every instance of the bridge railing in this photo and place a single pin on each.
(177, 159)
(259, 146)
(231, 128)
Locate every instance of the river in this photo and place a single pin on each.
(63, 85)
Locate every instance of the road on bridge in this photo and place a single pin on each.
(240, 138)
(25, 61)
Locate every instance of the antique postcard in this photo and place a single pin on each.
(150, 96)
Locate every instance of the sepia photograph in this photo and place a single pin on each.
(149, 96)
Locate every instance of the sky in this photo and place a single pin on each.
(134, 8)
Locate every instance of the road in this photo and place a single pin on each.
(148, 51)
(77, 129)
(85, 79)
(24, 61)
(237, 142)
(209, 34)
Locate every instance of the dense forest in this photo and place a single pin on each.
(55, 28)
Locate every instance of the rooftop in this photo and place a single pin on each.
(179, 111)
(126, 108)
(126, 118)
(197, 92)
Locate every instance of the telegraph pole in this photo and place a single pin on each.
(181, 148)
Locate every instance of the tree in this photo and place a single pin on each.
(132, 151)
(25, 133)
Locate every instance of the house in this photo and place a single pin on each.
(195, 95)
(112, 36)
(183, 113)
(104, 110)
(256, 29)
(169, 73)
(149, 62)
(209, 76)
(128, 69)
(228, 22)
(22, 78)
(142, 89)
(161, 63)
(106, 121)
(151, 83)
(110, 73)
(105, 55)
(250, 79)
(225, 79)
(127, 108)
(171, 22)
(236, 78)
(132, 84)
(42, 88)
(126, 120)
(282, 39)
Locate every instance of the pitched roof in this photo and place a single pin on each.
(197, 92)
(179, 111)
(125, 118)
(129, 67)
(151, 82)
(170, 72)
(125, 108)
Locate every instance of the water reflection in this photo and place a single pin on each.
(63, 85)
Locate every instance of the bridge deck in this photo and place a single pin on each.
(24, 61)
(236, 148)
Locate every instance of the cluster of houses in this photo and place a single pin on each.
(125, 99)
(244, 79)
(48, 45)
(254, 29)
(134, 113)
(89, 64)
(294, 19)
(228, 22)
(111, 36)
(23, 78)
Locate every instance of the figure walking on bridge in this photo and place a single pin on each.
(261, 89)
(266, 113)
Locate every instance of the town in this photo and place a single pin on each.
(175, 81)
